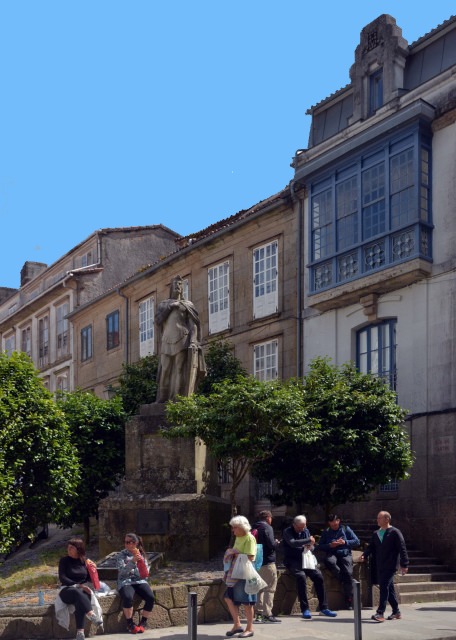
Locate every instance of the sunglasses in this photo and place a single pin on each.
(129, 541)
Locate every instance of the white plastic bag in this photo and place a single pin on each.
(255, 584)
(241, 567)
(309, 561)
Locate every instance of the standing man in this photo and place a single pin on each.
(295, 539)
(387, 545)
(268, 570)
(338, 540)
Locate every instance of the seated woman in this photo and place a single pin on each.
(73, 575)
(236, 595)
(133, 570)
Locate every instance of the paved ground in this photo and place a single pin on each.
(425, 621)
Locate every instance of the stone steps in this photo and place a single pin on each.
(426, 581)
(426, 577)
(428, 568)
(411, 587)
(427, 596)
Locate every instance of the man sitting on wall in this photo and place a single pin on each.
(296, 539)
(338, 540)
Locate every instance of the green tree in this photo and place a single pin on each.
(221, 364)
(97, 429)
(361, 442)
(242, 422)
(138, 384)
(11, 505)
(38, 465)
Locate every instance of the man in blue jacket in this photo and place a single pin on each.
(338, 541)
(387, 545)
(296, 539)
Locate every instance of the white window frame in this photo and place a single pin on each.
(26, 341)
(218, 288)
(86, 259)
(265, 279)
(62, 382)
(86, 343)
(63, 330)
(266, 360)
(43, 341)
(146, 327)
(185, 289)
(10, 343)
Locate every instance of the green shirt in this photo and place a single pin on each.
(381, 533)
(246, 544)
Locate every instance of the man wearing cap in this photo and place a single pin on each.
(337, 541)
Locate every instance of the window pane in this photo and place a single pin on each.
(377, 351)
(265, 361)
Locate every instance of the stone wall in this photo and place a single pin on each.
(170, 608)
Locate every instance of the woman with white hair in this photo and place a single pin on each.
(235, 595)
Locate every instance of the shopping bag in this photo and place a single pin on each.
(309, 561)
(241, 567)
(254, 584)
(258, 562)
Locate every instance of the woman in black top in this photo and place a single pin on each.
(73, 573)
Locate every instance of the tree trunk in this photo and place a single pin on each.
(233, 500)
(86, 531)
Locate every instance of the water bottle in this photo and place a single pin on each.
(40, 598)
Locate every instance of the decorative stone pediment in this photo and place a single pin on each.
(381, 49)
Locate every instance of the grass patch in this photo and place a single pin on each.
(26, 575)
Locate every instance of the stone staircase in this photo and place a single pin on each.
(427, 580)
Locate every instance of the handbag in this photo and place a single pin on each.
(258, 562)
(142, 568)
(309, 561)
(93, 574)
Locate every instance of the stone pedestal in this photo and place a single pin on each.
(169, 496)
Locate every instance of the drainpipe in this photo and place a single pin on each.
(126, 324)
(299, 333)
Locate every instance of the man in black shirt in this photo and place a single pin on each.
(387, 545)
(268, 570)
(295, 539)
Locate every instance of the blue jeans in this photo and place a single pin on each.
(387, 594)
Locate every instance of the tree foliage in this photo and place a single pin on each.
(138, 384)
(242, 422)
(221, 364)
(361, 442)
(38, 465)
(97, 429)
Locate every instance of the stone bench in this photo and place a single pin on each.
(170, 607)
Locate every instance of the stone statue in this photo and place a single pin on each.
(182, 363)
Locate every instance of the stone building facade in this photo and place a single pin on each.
(239, 273)
(378, 192)
(34, 318)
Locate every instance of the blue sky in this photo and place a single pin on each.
(117, 114)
